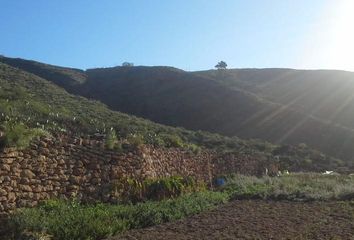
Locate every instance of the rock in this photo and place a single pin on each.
(24, 181)
(78, 171)
(27, 174)
(37, 189)
(25, 188)
(95, 181)
(11, 197)
(5, 167)
(7, 160)
(75, 179)
(3, 192)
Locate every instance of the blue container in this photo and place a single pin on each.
(220, 182)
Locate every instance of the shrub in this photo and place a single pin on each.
(135, 140)
(112, 141)
(19, 135)
(194, 148)
(133, 190)
(172, 140)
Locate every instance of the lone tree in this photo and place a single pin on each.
(221, 65)
(127, 64)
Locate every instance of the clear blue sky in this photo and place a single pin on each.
(188, 34)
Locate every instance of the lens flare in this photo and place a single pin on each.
(341, 43)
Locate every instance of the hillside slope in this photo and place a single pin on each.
(37, 103)
(174, 97)
(325, 94)
(180, 98)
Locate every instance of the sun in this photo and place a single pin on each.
(329, 41)
(339, 46)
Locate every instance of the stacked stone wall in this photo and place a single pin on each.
(65, 167)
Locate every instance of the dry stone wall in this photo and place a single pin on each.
(65, 167)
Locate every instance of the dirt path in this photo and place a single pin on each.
(252, 219)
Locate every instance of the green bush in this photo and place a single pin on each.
(171, 187)
(19, 135)
(172, 140)
(135, 140)
(111, 140)
(134, 190)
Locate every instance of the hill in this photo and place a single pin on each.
(325, 94)
(166, 95)
(200, 102)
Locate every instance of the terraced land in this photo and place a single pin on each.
(258, 219)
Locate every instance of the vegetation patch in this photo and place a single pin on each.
(66, 220)
(295, 187)
(62, 220)
(133, 190)
(19, 135)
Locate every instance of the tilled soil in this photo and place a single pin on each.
(256, 219)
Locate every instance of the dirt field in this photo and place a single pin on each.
(252, 219)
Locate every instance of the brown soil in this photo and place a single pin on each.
(253, 219)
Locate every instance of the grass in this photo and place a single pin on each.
(295, 187)
(19, 135)
(64, 220)
(71, 220)
(129, 190)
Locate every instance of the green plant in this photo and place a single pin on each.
(134, 190)
(19, 135)
(172, 141)
(111, 140)
(135, 140)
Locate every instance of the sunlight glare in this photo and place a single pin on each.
(340, 45)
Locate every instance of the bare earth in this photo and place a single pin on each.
(256, 219)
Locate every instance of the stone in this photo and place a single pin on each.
(37, 189)
(95, 181)
(24, 181)
(11, 197)
(7, 160)
(25, 188)
(75, 179)
(27, 173)
(78, 171)
(5, 167)
(3, 192)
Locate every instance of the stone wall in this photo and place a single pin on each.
(66, 167)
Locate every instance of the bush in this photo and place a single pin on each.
(135, 140)
(172, 141)
(19, 135)
(133, 190)
(171, 187)
(112, 141)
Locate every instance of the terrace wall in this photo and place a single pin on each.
(65, 167)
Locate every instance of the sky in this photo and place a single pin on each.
(188, 34)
